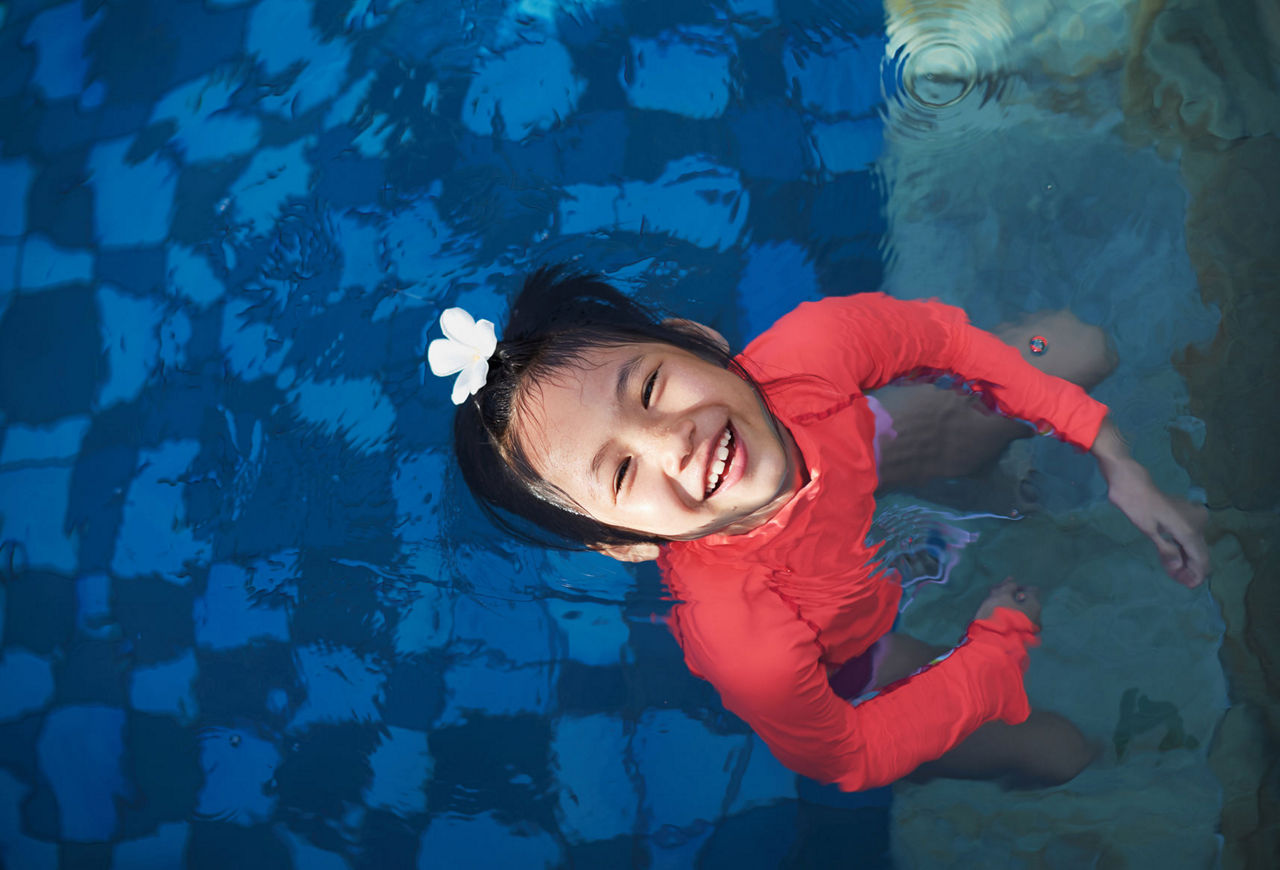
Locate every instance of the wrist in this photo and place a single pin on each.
(1109, 449)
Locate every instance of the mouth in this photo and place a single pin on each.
(721, 460)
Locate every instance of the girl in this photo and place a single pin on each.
(752, 480)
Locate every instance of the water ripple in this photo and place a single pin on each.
(946, 72)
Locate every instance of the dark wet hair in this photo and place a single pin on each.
(558, 317)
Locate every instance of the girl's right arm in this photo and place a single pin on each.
(816, 733)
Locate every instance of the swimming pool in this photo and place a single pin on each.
(251, 618)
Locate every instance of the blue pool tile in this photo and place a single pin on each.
(155, 617)
(760, 839)
(154, 537)
(59, 203)
(207, 124)
(138, 270)
(33, 509)
(281, 35)
(479, 686)
(44, 265)
(164, 848)
(342, 751)
(595, 634)
(686, 769)
(341, 686)
(768, 267)
(842, 78)
(252, 347)
(15, 180)
(80, 752)
(58, 35)
(191, 276)
(763, 782)
(427, 622)
(165, 767)
(306, 856)
(92, 671)
(9, 259)
(694, 199)
(525, 89)
(218, 845)
(402, 766)
(596, 794)
(133, 200)
(415, 693)
(417, 484)
(237, 768)
(361, 262)
(848, 146)
(130, 328)
(685, 71)
(17, 848)
(591, 574)
(354, 409)
(514, 630)
(166, 688)
(589, 689)
(26, 683)
(228, 614)
(93, 605)
(422, 249)
(40, 611)
(58, 440)
(259, 679)
(272, 176)
(770, 141)
(461, 841)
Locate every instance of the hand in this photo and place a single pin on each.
(1175, 526)
(1024, 599)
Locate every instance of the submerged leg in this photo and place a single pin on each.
(945, 434)
(1045, 750)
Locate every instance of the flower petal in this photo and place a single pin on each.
(469, 381)
(446, 357)
(487, 339)
(458, 325)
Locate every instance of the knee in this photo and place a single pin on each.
(1078, 352)
(1062, 754)
(1097, 354)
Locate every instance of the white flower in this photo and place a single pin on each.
(465, 349)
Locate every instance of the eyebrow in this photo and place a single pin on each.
(625, 371)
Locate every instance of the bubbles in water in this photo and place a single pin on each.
(946, 70)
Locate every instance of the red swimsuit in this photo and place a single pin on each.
(766, 616)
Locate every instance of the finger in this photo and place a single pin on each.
(1173, 557)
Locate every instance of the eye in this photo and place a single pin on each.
(649, 384)
(621, 476)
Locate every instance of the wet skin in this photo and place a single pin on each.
(630, 435)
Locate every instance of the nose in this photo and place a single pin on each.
(674, 444)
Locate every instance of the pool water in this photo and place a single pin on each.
(250, 616)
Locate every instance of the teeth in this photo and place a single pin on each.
(717, 466)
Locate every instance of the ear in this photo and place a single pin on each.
(699, 328)
(630, 552)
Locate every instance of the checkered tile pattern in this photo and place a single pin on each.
(250, 617)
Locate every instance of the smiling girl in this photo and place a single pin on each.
(752, 480)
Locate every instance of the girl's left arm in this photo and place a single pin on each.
(870, 339)
(1175, 527)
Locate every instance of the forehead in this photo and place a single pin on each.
(562, 409)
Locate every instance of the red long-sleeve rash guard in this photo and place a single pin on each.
(767, 615)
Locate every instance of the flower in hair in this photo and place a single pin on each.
(465, 350)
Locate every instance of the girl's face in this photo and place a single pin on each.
(652, 438)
